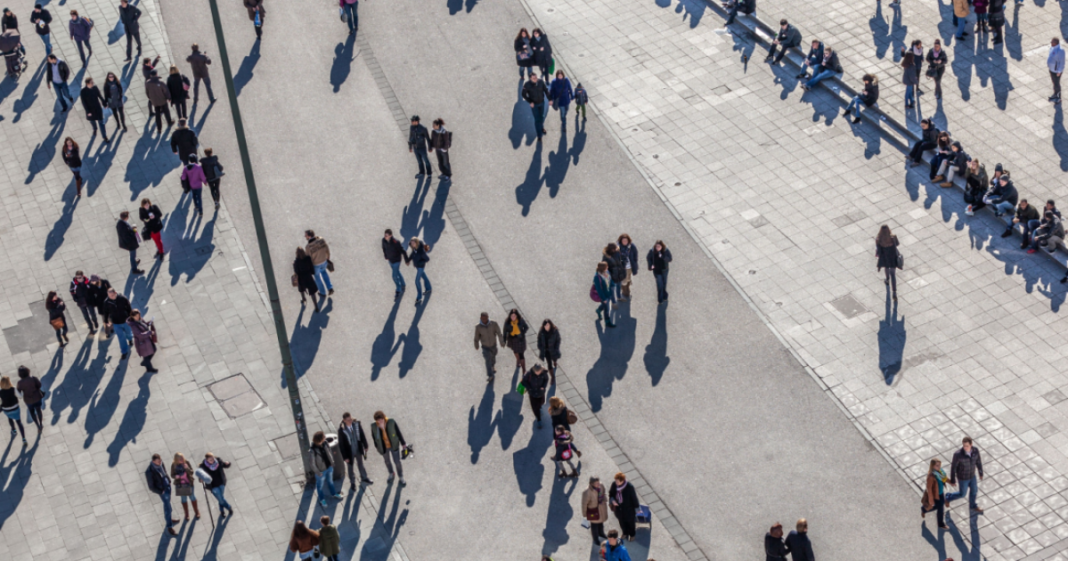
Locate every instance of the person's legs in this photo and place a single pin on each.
(398, 278)
(86, 311)
(535, 406)
(259, 31)
(147, 363)
(47, 40)
(1056, 78)
(616, 290)
(213, 185)
(395, 452)
(329, 476)
(960, 23)
(322, 277)
(36, 414)
(389, 464)
(891, 277)
(938, 86)
(363, 470)
(156, 237)
(167, 513)
(539, 118)
(581, 107)
(910, 95)
(818, 78)
(198, 200)
(125, 335)
(420, 274)
(166, 113)
(962, 489)
(120, 117)
(443, 163)
(423, 160)
(220, 495)
(563, 114)
(489, 354)
(64, 92)
(354, 22)
(732, 15)
(320, 479)
(1003, 207)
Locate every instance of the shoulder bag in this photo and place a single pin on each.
(900, 260)
(572, 418)
(330, 265)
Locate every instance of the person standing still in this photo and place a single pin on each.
(80, 29)
(534, 93)
(160, 483)
(40, 18)
(129, 15)
(441, 141)
(624, 502)
(9, 404)
(178, 86)
(967, 469)
(996, 14)
(57, 317)
(536, 383)
(118, 311)
(79, 292)
(353, 445)
(515, 338)
(319, 252)
(29, 387)
(58, 74)
(323, 467)
(798, 543)
(216, 468)
(419, 258)
(350, 9)
(213, 171)
(129, 240)
(143, 334)
(182, 476)
(629, 253)
(549, 347)
(72, 157)
(419, 143)
(158, 98)
(487, 335)
(389, 441)
(887, 257)
(658, 259)
(93, 103)
(1055, 63)
(114, 93)
(595, 509)
(199, 62)
(393, 252)
(152, 219)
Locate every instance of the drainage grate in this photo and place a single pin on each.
(848, 306)
(236, 395)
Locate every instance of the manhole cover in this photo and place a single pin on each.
(236, 395)
(848, 306)
(34, 334)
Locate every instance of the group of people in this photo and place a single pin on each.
(181, 480)
(614, 275)
(29, 389)
(535, 50)
(966, 470)
(796, 544)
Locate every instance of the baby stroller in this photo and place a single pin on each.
(14, 53)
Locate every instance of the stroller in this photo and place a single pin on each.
(14, 53)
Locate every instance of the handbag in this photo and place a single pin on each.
(592, 513)
(565, 454)
(523, 55)
(593, 293)
(572, 418)
(295, 283)
(330, 265)
(931, 73)
(900, 261)
(145, 235)
(152, 331)
(344, 16)
(183, 490)
(57, 323)
(521, 389)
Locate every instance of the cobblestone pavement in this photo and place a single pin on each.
(787, 196)
(78, 490)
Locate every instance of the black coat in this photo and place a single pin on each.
(543, 51)
(209, 164)
(938, 63)
(616, 268)
(185, 142)
(800, 547)
(627, 509)
(831, 63)
(72, 158)
(158, 480)
(305, 272)
(789, 37)
(40, 21)
(153, 219)
(630, 251)
(418, 256)
(418, 137)
(64, 71)
(886, 256)
(664, 258)
(218, 475)
(392, 250)
(9, 22)
(549, 344)
(98, 294)
(129, 16)
(870, 95)
(518, 343)
(536, 384)
(127, 236)
(79, 291)
(521, 45)
(117, 310)
(774, 548)
(535, 93)
(348, 451)
(176, 84)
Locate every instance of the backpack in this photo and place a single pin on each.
(89, 21)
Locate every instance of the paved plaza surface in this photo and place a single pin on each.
(778, 383)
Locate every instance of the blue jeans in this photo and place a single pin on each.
(354, 19)
(615, 289)
(103, 132)
(661, 286)
(972, 487)
(424, 161)
(603, 308)
(539, 118)
(563, 112)
(125, 335)
(910, 95)
(47, 40)
(854, 107)
(398, 278)
(733, 14)
(218, 492)
(421, 274)
(321, 277)
(960, 23)
(820, 76)
(325, 479)
(198, 199)
(167, 513)
(1027, 225)
(62, 93)
(1003, 207)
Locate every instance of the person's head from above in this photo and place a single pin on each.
(148, 61)
(415, 120)
(483, 318)
(534, 77)
(324, 520)
(154, 74)
(559, 74)
(112, 294)
(123, 3)
(560, 430)
(523, 34)
(868, 78)
(802, 525)
(1050, 205)
(602, 267)
(547, 325)
(309, 234)
(884, 238)
(195, 48)
(135, 314)
(124, 215)
(88, 82)
(156, 459)
(623, 240)
(917, 45)
(937, 45)
(318, 438)
(556, 403)
(783, 24)
(380, 418)
(610, 249)
(192, 160)
(1004, 178)
(513, 315)
(973, 164)
(69, 143)
(79, 276)
(111, 77)
(23, 372)
(815, 44)
(413, 243)
(439, 123)
(1054, 42)
(966, 443)
(538, 369)
(659, 245)
(347, 419)
(955, 146)
(182, 123)
(209, 457)
(1048, 215)
(94, 280)
(935, 465)
(1023, 204)
(537, 32)
(620, 478)
(37, 8)
(53, 59)
(146, 203)
(613, 538)
(595, 483)
(179, 458)
(776, 530)
(74, 15)
(388, 235)
(925, 124)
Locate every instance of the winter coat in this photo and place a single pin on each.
(349, 449)
(218, 475)
(308, 542)
(57, 309)
(318, 251)
(590, 502)
(976, 180)
(71, 157)
(98, 294)
(152, 218)
(815, 56)
(627, 507)
(996, 7)
(93, 103)
(127, 236)
(9, 21)
(418, 256)
(617, 270)
(320, 459)
(518, 343)
(441, 139)
(774, 548)
(329, 541)
(561, 92)
(64, 71)
(1027, 214)
(79, 291)
(800, 547)
(212, 168)
(158, 94)
(9, 400)
(870, 95)
(980, 6)
(393, 432)
(630, 253)
(30, 389)
(937, 62)
(886, 256)
(965, 466)
(40, 21)
(199, 62)
(789, 38)
(1005, 193)
(559, 417)
(194, 174)
(930, 493)
(158, 481)
(488, 335)
(305, 271)
(129, 16)
(601, 285)
(418, 137)
(658, 261)
(117, 310)
(251, 6)
(176, 85)
(535, 92)
(910, 75)
(830, 63)
(113, 94)
(543, 51)
(617, 553)
(142, 334)
(536, 384)
(961, 8)
(184, 142)
(392, 250)
(79, 29)
(562, 443)
(521, 45)
(549, 343)
(930, 134)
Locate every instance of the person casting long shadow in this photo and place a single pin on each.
(481, 423)
(412, 346)
(559, 162)
(386, 344)
(305, 340)
(891, 343)
(559, 515)
(528, 190)
(511, 412)
(529, 464)
(656, 359)
(133, 421)
(342, 66)
(617, 348)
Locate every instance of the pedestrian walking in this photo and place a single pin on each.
(975, 185)
(193, 175)
(41, 18)
(565, 451)
(515, 338)
(614, 550)
(56, 317)
(1055, 63)
(79, 293)
(178, 86)
(199, 62)
(561, 95)
(113, 96)
(543, 52)
(98, 295)
(182, 476)
(389, 441)
(659, 261)
(624, 503)
(73, 158)
(158, 98)
(353, 445)
(323, 466)
(996, 10)
(595, 508)
(869, 96)
(350, 13)
(560, 415)
(911, 62)
(441, 141)
(419, 143)
(184, 143)
(828, 67)
(487, 335)
(788, 38)
(302, 541)
(255, 15)
(93, 103)
(581, 99)
(319, 252)
(213, 171)
(393, 252)
(602, 284)
(9, 21)
(129, 240)
(58, 74)
(535, 385)
(774, 547)
(934, 493)
(9, 404)
(936, 66)
(961, 10)
(887, 257)
(80, 29)
(129, 16)
(628, 252)
(329, 540)
(967, 469)
(117, 311)
(617, 271)
(152, 220)
(534, 92)
(144, 336)
(524, 53)
(216, 469)
(549, 346)
(798, 543)
(160, 484)
(304, 278)
(418, 257)
(29, 387)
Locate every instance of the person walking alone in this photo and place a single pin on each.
(158, 98)
(29, 387)
(178, 86)
(515, 338)
(934, 493)
(536, 383)
(419, 258)
(353, 446)
(144, 335)
(58, 74)
(419, 143)
(659, 260)
(624, 502)
(213, 171)
(304, 272)
(561, 95)
(129, 241)
(595, 509)
(319, 252)
(487, 335)
(73, 158)
(549, 347)
(152, 221)
(9, 404)
(80, 29)
(967, 469)
(255, 15)
(566, 452)
(349, 8)
(182, 476)
(393, 252)
(323, 466)
(79, 292)
(113, 94)
(199, 62)
(193, 175)
(441, 141)
(118, 311)
(389, 441)
(887, 257)
(1055, 63)
(160, 484)
(602, 288)
(534, 93)
(129, 15)
(937, 59)
(216, 468)
(93, 103)
(798, 543)
(41, 18)
(56, 317)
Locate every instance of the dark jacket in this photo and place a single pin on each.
(561, 443)
(886, 256)
(800, 547)
(93, 103)
(117, 311)
(98, 294)
(127, 236)
(441, 139)
(959, 159)
(964, 466)
(870, 95)
(40, 21)
(305, 272)
(349, 450)
(1026, 214)
(549, 344)
(418, 256)
(1048, 228)
(64, 71)
(815, 56)
(543, 51)
(153, 219)
(629, 504)
(630, 253)
(57, 309)
(79, 291)
(536, 384)
(617, 269)
(72, 158)
(142, 336)
(218, 475)
(561, 92)
(535, 93)
(9, 21)
(789, 37)
(520, 46)
(392, 250)
(30, 388)
(930, 134)
(518, 343)
(158, 94)
(394, 434)
(158, 480)
(176, 84)
(747, 7)
(9, 400)
(199, 62)
(418, 137)
(129, 16)
(79, 28)
(1005, 193)
(937, 62)
(663, 259)
(185, 142)
(830, 63)
(774, 548)
(212, 168)
(113, 94)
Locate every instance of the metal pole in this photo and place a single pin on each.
(265, 253)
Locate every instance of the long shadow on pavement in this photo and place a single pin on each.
(150, 161)
(133, 421)
(80, 383)
(522, 121)
(559, 162)
(456, 6)
(481, 423)
(343, 57)
(413, 211)
(412, 346)
(529, 463)
(59, 230)
(211, 553)
(528, 190)
(29, 93)
(888, 37)
(46, 149)
(559, 514)
(891, 342)
(617, 347)
(102, 406)
(100, 164)
(656, 359)
(386, 344)
(974, 553)
(305, 340)
(511, 412)
(15, 476)
(245, 72)
(379, 544)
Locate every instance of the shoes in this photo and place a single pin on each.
(969, 211)
(330, 292)
(339, 496)
(428, 291)
(938, 178)
(403, 483)
(366, 481)
(172, 532)
(1006, 233)
(138, 271)
(418, 302)
(914, 164)
(1032, 250)
(845, 112)
(323, 503)
(489, 379)
(977, 509)
(856, 120)
(124, 356)
(1023, 245)
(420, 174)
(390, 479)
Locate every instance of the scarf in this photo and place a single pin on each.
(385, 437)
(181, 475)
(619, 493)
(211, 465)
(515, 328)
(601, 495)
